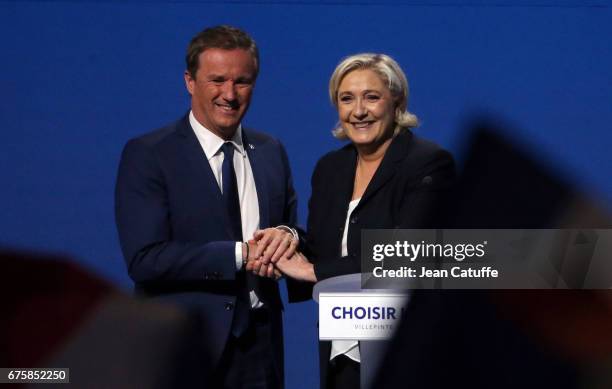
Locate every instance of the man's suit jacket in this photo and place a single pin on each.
(174, 229)
(412, 176)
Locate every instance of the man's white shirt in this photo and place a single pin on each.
(247, 193)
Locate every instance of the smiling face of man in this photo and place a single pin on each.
(222, 88)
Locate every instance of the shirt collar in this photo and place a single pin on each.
(211, 143)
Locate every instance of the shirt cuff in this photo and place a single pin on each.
(238, 255)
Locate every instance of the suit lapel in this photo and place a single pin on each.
(342, 187)
(202, 175)
(256, 156)
(388, 166)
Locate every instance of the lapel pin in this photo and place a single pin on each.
(251, 147)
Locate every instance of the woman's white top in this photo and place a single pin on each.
(350, 348)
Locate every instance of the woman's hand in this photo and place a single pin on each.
(297, 267)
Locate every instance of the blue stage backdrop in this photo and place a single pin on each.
(78, 79)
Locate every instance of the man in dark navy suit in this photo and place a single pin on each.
(192, 198)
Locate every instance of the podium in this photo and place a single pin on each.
(371, 352)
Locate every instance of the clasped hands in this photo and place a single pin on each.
(273, 253)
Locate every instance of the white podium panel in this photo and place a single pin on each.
(359, 323)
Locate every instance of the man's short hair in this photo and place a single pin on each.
(219, 37)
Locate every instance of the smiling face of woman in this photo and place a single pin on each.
(366, 108)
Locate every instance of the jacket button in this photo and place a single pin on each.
(229, 306)
(427, 180)
(354, 220)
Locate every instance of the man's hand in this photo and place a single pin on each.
(260, 269)
(274, 243)
(297, 267)
(255, 265)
